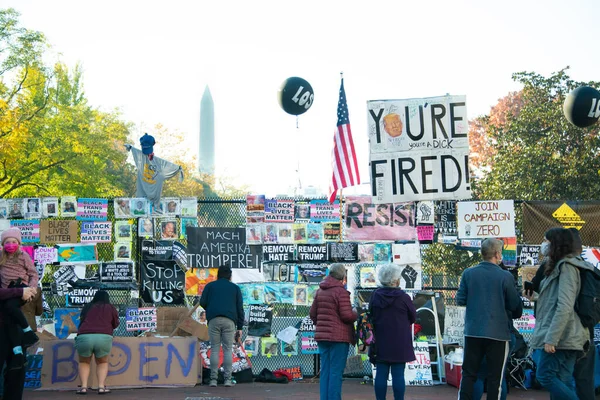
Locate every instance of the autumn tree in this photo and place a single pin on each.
(52, 141)
(535, 153)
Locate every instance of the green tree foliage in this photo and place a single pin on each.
(536, 153)
(443, 259)
(52, 141)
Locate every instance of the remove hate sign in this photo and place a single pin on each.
(213, 247)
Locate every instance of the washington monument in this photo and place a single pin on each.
(206, 152)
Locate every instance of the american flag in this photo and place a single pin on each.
(343, 156)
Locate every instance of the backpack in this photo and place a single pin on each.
(364, 331)
(587, 305)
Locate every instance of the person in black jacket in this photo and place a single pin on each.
(222, 300)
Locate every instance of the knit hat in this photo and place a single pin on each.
(14, 233)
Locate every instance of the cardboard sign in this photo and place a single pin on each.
(194, 328)
(483, 219)
(259, 320)
(367, 221)
(343, 252)
(96, 232)
(116, 272)
(133, 363)
(418, 372)
(80, 296)
(92, 209)
(278, 252)
(57, 231)
(419, 149)
(141, 319)
(454, 325)
(213, 247)
(30, 229)
(311, 252)
(163, 282)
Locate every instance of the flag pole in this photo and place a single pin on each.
(341, 217)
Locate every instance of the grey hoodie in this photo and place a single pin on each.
(557, 323)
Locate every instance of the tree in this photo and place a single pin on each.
(68, 147)
(539, 155)
(51, 141)
(442, 259)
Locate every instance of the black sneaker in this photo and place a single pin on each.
(30, 338)
(16, 362)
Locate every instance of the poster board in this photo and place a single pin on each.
(133, 363)
(454, 325)
(418, 372)
(483, 219)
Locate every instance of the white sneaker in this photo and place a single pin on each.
(213, 383)
(229, 383)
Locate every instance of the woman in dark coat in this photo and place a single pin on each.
(392, 313)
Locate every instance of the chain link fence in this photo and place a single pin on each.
(220, 212)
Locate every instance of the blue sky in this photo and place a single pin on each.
(152, 60)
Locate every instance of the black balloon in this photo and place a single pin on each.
(296, 96)
(582, 106)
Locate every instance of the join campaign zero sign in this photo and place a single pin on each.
(419, 149)
(213, 247)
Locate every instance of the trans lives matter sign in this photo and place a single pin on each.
(163, 282)
(116, 272)
(419, 149)
(213, 247)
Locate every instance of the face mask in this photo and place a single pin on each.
(11, 247)
(545, 248)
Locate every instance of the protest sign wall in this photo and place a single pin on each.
(213, 247)
(419, 149)
(482, 219)
(135, 363)
(57, 231)
(368, 221)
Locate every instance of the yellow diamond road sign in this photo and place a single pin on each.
(567, 217)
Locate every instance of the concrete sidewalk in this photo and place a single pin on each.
(308, 389)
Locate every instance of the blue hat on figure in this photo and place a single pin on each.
(147, 143)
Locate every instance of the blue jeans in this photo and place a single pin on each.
(398, 385)
(333, 361)
(555, 373)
